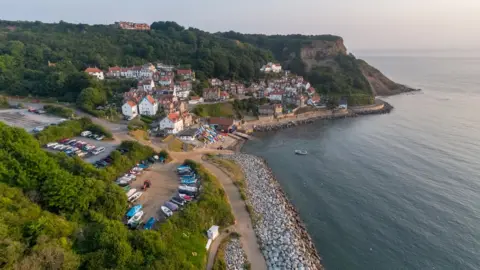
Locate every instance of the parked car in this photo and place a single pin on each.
(51, 145)
(99, 138)
(86, 133)
(177, 202)
(98, 150)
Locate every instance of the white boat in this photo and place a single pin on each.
(166, 211)
(187, 188)
(135, 196)
(135, 217)
(301, 152)
(131, 192)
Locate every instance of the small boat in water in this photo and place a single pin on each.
(301, 152)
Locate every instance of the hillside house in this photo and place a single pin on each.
(147, 85)
(133, 26)
(224, 95)
(172, 123)
(276, 95)
(95, 72)
(186, 74)
(148, 106)
(130, 110)
(215, 82)
(195, 100)
(114, 72)
(271, 67)
(211, 94)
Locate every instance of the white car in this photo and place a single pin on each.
(130, 176)
(86, 133)
(98, 150)
(59, 147)
(51, 145)
(99, 138)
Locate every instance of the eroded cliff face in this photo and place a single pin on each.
(320, 53)
(380, 84)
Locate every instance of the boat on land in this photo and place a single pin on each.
(134, 210)
(135, 196)
(135, 218)
(187, 188)
(166, 211)
(149, 224)
(301, 152)
(185, 197)
(171, 206)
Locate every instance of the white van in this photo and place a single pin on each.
(98, 150)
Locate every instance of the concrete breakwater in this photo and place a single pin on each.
(284, 241)
(385, 108)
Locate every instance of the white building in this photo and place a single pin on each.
(172, 123)
(276, 95)
(148, 106)
(95, 72)
(271, 67)
(182, 94)
(147, 84)
(129, 109)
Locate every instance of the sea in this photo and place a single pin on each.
(393, 191)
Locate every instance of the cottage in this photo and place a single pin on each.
(195, 100)
(211, 94)
(223, 124)
(114, 72)
(276, 95)
(148, 106)
(266, 109)
(224, 95)
(172, 123)
(215, 82)
(129, 110)
(95, 72)
(271, 67)
(146, 85)
(186, 74)
(188, 134)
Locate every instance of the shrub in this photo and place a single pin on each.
(59, 111)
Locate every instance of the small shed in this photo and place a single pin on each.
(212, 233)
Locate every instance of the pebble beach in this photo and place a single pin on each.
(284, 241)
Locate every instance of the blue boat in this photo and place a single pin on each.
(133, 210)
(192, 181)
(191, 176)
(149, 225)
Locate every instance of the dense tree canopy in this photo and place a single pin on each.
(58, 212)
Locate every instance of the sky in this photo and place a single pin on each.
(364, 24)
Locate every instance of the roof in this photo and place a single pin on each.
(93, 70)
(188, 132)
(221, 121)
(114, 69)
(174, 117)
(131, 103)
(150, 99)
(184, 71)
(224, 94)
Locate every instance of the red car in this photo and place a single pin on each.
(64, 140)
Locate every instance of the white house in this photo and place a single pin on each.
(147, 84)
(129, 109)
(172, 123)
(276, 95)
(271, 67)
(165, 81)
(95, 72)
(148, 106)
(182, 94)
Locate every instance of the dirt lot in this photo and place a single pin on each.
(27, 120)
(164, 185)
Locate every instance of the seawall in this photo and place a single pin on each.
(381, 108)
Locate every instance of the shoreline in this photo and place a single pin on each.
(383, 108)
(283, 237)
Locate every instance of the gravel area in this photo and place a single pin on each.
(283, 238)
(235, 257)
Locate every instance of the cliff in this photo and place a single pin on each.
(329, 58)
(379, 83)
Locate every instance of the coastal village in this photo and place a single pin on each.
(177, 143)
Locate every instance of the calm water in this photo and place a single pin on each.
(397, 191)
